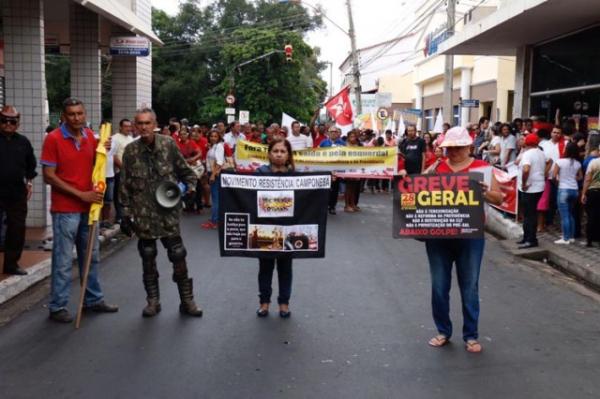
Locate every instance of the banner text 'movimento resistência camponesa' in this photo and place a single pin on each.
(310, 182)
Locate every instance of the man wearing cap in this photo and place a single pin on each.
(68, 156)
(17, 170)
(531, 183)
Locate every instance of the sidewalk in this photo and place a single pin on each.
(36, 259)
(575, 259)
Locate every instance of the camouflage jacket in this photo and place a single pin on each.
(144, 168)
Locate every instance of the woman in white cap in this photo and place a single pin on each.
(467, 254)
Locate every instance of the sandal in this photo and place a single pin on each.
(349, 209)
(439, 340)
(473, 346)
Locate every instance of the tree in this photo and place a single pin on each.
(195, 69)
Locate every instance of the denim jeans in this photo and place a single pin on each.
(566, 203)
(265, 278)
(71, 230)
(467, 254)
(214, 195)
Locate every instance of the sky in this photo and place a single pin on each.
(375, 21)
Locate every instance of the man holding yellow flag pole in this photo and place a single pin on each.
(68, 156)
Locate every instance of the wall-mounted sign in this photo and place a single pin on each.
(413, 111)
(130, 45)
(469, 103)
(382, 114)
(434, 39)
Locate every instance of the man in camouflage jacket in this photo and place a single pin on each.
(147, 162)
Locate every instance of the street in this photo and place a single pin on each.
(360, 323)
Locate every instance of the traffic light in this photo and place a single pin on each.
(289, 50)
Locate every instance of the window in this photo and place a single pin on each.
(571, 61)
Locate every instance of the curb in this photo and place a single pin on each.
(14, 285)
(510, 230)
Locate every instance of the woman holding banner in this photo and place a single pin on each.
(280, 161)
(467, 254)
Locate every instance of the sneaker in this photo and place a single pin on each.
(572, 241)
(562, 242)
(101, 307)
(61, 316)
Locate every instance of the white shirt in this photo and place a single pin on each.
(216, 154)
(109, 167)
(567, 173)
(508, 143)
(232, 140)
(119, 142)
(299, 142)
(537, 165)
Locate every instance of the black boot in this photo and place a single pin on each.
(152, 296)
(186, 293)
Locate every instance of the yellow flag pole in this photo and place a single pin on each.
(99, 184)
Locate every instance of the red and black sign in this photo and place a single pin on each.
(439, 206)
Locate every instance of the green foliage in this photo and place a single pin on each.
(58, 81)
(196, 68)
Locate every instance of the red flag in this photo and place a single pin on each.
(339, 107)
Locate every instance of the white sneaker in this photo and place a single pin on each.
(561, 242)
(572, 241)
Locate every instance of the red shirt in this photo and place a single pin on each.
(318, 140)
(255, 139)
(189, 149)
(228, 150)
(202, 144)
(444, 168)
(74, 165)
(429, 158)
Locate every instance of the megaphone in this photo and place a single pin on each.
(168, 194)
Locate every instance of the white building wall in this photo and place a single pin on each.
(26, 83)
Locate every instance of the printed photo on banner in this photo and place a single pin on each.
(439, 206)
(265, 237)
(274, 204)
(302, 237)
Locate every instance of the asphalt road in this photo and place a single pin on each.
(359, 329)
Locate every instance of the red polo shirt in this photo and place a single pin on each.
(74, 165)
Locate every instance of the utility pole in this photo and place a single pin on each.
(355, 68)
(447, 106)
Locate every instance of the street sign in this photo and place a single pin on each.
(413, 111)
(230, 111)
(244, 117)
(230, 118)
(130, 45)
(469, 103)
(382, 113)
(230, 99)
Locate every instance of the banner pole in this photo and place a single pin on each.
(86, 270)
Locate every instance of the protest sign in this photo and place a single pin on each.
(507, 184)
(439, 206)
(272, 215)
(356, 162)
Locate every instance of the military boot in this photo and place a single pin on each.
(153, 297)
(186, 293)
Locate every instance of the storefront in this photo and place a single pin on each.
(557, 63)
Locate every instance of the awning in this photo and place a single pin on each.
(114, 11)
(522, 22)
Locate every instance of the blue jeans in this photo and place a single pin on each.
(566, 203)
(467, 254)
(71, 230)
(214, 195)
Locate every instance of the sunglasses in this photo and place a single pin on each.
(10, 121)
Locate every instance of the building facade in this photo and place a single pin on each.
(81, 30)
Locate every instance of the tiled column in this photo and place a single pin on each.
(85, 62)
(25, 77)
(522, 82)
(132, 76)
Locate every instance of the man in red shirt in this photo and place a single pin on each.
(68, 161)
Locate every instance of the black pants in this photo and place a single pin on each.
(334, 191)
(529, 203)
(116, 202)
(15, 211)
(265, 278)
(592, 208)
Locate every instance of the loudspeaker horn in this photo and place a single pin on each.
(168, 194)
